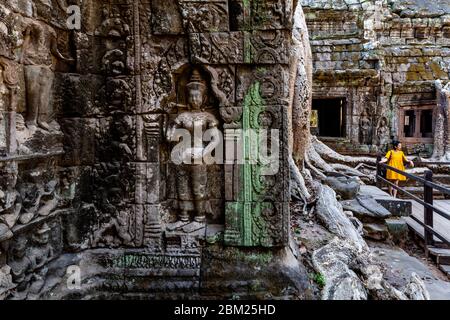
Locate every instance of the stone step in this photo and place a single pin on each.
(398, 207)
(445, 268)
(441, 255)
(418, 191)
(398, 229)
(375, 231)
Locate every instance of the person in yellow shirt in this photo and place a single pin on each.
(396, 159)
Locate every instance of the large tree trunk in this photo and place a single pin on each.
(307, 151)
(300, 82)
(441, 149)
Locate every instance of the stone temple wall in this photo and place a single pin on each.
(35, 191)
(86, 175)
(381, 56)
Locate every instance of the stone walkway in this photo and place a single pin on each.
(400, 266)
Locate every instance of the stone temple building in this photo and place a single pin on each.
(96, 95)
(375, 67)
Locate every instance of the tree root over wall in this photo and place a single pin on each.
(320, 161)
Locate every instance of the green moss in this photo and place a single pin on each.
(246, 215)
(416, 67)
(256, 286)
(214, 29)
(437, 71)
(255, 258)
(218, 238)
(246, 256)
(248, 50)
(319, 279)
(261, 70)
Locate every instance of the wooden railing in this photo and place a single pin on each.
(427, 202)
(439, 163)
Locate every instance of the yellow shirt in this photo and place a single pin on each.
(396, 159)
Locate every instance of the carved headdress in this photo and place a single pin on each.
(43, 229)
(196, 82)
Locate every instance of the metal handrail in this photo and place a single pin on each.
(427, 202)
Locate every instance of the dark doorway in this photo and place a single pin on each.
(410, 123)
(330, 117)
(426, 123)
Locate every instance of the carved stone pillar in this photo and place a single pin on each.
(149, 191)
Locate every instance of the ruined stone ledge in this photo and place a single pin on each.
(21, 228)
(337, 36)
(414, 87)
(33, 156)
(331, 5)
(353, 76)
(420, 8)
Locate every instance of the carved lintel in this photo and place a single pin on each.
(260, 15)
(204, 16)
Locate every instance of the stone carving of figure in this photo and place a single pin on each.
(38, 52)
(30, 193)
(6, 283)
(192, 174)
(10, 206)
(38, 198)
(120, 137)
(365, 128)
(114, 233)
(40, 254)
(21, 267)
(41, 251)
(28, 263)
(383, 133)
(49, 199)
